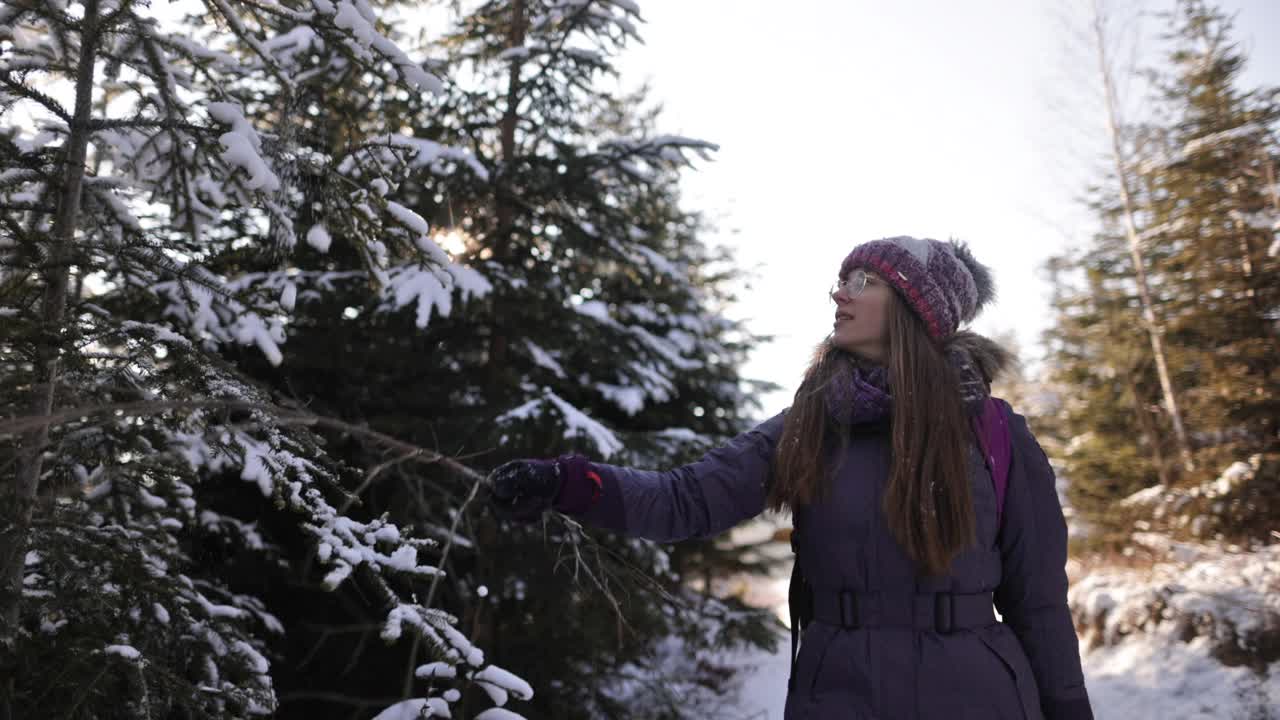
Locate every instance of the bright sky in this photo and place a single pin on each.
(841, 122)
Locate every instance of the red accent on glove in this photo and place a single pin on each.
(598, 490)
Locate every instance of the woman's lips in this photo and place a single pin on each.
(841, 319)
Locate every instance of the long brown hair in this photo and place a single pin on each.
(927, 506)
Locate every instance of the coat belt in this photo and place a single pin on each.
(941, 612)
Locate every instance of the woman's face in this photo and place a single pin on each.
(862, 321)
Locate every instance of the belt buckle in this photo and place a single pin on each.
(944, 612)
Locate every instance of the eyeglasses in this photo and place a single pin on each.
(852, 287)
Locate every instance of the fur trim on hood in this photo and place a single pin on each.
(987, 354)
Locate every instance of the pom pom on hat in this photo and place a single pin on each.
(984, 284)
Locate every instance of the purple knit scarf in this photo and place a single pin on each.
(860, 391)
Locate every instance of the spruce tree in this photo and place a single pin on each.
(600, 330)
(1106, 449)
(140, 156)
(1212, 215)
(1206, 225)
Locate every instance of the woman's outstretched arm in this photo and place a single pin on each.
(700, 499)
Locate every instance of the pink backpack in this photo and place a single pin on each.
(992, 429)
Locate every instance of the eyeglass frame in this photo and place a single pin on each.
(846, 284)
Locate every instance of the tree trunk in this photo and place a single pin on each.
(1273, 191)
(1147, 428)
(505, 214)
(1242, 234)
(1135, 250)
(53, 306)
(17, 501)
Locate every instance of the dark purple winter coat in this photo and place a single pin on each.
(1026, 667)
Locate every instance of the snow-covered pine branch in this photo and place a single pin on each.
(156, 185)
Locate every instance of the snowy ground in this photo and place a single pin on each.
(1159, 677)
(1223, 602)
(764, 684)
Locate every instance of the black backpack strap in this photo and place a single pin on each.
(800, 605)
(795, 624)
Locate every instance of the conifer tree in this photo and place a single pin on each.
(1206, 228)
(1211, 216)
(140, 154)
(1128, 207)
(602, 333)
(1108, 380)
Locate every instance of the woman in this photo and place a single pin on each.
(899, 529)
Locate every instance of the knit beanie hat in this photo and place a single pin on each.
(941, 281)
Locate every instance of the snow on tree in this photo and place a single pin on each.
(602, 332)
(1205, 210)
(140, 152)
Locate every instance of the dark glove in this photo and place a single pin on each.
(524, 489)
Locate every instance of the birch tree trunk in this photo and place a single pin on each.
(1135, 250)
